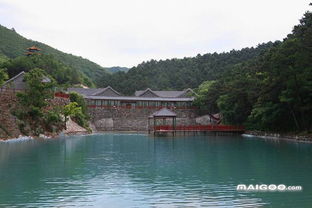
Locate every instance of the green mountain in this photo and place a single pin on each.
(62, 73)
(13, 45)
(272, 92)
(115, 69)
(178, 74)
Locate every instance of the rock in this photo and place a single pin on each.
(73, 128)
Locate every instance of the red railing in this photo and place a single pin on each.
(61, 94)
(199, 128)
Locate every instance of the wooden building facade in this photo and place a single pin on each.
(110, 98)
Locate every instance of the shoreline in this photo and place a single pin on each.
(44, 136)
(256, 134)
(279, 136)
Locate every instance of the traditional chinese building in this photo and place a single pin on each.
(18, 83)
(32, 50)
(149, 110)
(110, 98)
(110, 110)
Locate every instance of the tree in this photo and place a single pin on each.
(33, 109)
(75, 97)
(64, 75)
(272, 91)
(72, 110)
(39, 88)
(3, 76)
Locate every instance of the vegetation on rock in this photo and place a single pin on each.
(81, 116)
(33, 117)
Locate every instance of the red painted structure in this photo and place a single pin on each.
(61, 95)
(219, 128)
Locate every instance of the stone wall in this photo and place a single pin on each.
(8, 125)
(122, 119)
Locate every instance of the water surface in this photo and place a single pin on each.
(123, 170)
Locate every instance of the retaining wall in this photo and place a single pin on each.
(121, 119)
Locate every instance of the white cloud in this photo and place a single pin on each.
(124, 32)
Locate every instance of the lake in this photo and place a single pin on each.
(133, 170)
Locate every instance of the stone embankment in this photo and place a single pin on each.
(9, 128)
(8, 125)
(122, 119)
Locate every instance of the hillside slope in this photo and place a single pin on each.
(13, 45)
(178, 74)
(116, 69)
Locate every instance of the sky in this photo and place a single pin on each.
(128, 32)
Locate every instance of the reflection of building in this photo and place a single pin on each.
(110, 98)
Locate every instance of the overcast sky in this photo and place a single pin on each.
(127, 32)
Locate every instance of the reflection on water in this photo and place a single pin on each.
(112, 170)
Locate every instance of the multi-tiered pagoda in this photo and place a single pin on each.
(32, 50)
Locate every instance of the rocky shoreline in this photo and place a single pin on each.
(72, 128)
(307, 138)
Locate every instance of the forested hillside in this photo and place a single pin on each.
(63, 74)
(179, 73)
(271, 92)
(268, 87)
(265, 88)
(115, 69)
(13, 45)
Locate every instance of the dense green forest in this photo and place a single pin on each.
(271, 92)
(115, 69)
(63, 74)
(179, 74)
(265, 88)
(268, 87)
(13, 45)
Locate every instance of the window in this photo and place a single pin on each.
(92, 102)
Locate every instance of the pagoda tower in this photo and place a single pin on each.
(32, 50)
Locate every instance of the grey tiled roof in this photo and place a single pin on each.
(164, 93)
(97, 93)
(14, 78)
(18, 82)
(164, 112)
(92, 91)
(134, 98)
(85, 91)
(112, 92)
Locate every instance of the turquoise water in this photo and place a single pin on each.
(123, 170)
